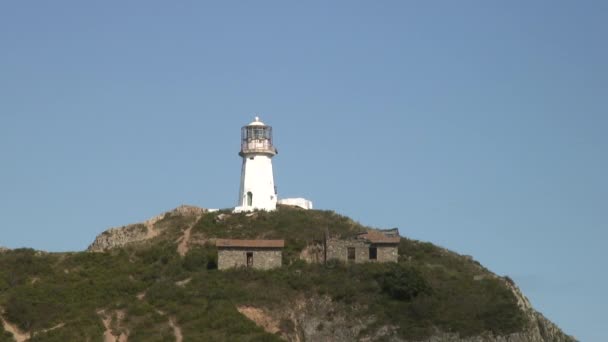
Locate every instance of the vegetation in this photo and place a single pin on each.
(429, 289)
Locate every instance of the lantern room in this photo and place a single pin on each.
(256, 138)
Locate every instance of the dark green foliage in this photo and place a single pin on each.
(403, 283)
(199, 258)
(429, 289)
(85, 329)
(286, 222)
(6, 337)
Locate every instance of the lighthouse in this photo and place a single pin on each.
(257, 190)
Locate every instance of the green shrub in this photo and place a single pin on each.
(195, 259)
(430, 289)
(403, 283)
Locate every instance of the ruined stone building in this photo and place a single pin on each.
(258, 254)
(371, 246)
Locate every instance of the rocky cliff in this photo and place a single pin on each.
(307, 321)
(138, 232)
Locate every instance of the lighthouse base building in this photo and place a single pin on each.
(296, 202)
(257, 189)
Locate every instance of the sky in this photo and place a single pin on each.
(480, 126)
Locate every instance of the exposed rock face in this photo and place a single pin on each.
(539, 329)
(309, 319)
(3, 249)
(121, 236)
(321, 319)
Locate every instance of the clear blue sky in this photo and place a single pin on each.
(481, 126)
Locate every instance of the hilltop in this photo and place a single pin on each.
(158, 281)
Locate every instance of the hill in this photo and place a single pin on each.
(158, 281)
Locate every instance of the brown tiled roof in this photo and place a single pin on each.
(378, 237)
(250, 243)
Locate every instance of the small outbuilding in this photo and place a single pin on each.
(258, 254)
(371, 246)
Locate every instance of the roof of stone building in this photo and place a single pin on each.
(250, 243)
(379, 237)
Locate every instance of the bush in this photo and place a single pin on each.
(195, 260)
(403, 283)
(431, 289)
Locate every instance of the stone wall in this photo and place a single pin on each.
(338, 249)
(263, 258)
(387, 253)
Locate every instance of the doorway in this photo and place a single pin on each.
(249, 259)
(350, 251)
(373, 253)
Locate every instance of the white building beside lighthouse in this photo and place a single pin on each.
(257, 189)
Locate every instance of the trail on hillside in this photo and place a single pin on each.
(21, 336)
(152, 231)
(18, 335)
(58, 326)
(259, 317)
(183, 283)
(106, 319)
(183, 247)
(177, 331)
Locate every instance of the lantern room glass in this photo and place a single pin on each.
(255, 138)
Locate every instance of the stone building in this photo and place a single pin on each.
(371, 246)
(258, 254)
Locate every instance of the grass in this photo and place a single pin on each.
(429, 289)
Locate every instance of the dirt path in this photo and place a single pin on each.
(183, 246)
(183, 283)
(60, 325)
(259, 317)
(152, 231)
(108, 335)
(18, 335)
(21, 336)
(177, 331)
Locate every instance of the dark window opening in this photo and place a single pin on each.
(249, 199)
(373, 253)
(249, 259)
(351, 253)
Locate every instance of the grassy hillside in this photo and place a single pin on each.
(141, 288)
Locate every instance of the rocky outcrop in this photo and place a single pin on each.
(308, 319)
(138, 232)
(120, 236)
(321, 319)
(3, 249)
(539, 328)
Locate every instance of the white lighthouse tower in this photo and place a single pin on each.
(257, 190)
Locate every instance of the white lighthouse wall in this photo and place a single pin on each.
(257, 179)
